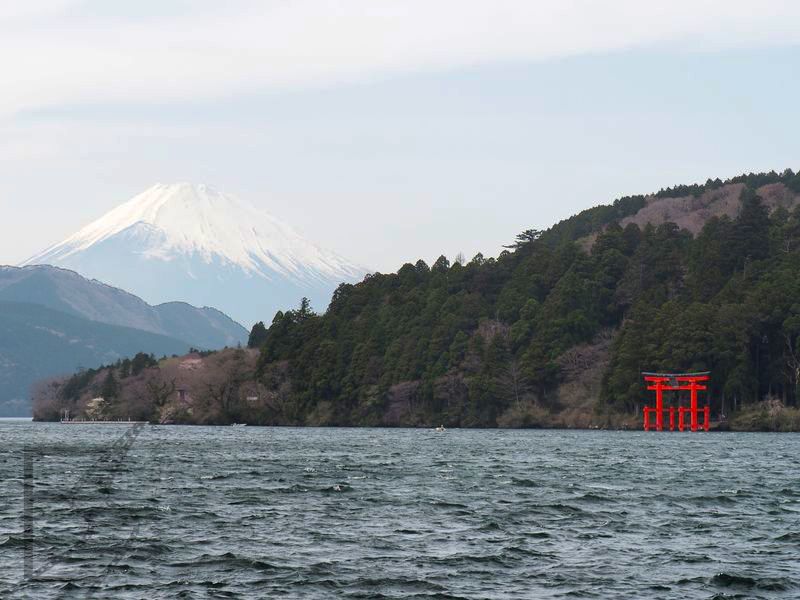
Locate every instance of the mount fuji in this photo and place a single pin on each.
(194, 244)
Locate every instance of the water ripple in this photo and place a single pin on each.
(200, 512)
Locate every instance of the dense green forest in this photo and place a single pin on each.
(551, 332)
(727, 301)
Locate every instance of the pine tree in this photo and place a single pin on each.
(110, 387)
(258, 335)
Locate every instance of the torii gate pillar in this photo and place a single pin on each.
(659, 387)
(661, 382)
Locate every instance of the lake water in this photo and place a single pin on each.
(201, 512)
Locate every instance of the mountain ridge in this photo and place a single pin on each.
(180, 241)
(53, 321)
(67, 291)
(38, 342)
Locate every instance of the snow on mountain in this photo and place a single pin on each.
(192, 243)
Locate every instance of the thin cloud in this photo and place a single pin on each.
(58, 52)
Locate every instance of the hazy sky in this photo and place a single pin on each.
(386, 130)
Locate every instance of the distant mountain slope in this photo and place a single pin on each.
(68, 292)
(38, 342)
(192, 243)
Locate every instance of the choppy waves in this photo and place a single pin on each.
(318, 513)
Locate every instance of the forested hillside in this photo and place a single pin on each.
(53, 321)
(38, 342)
(557, 328)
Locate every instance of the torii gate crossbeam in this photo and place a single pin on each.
(670, 382)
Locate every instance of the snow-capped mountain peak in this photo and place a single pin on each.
(185, 230)
(198, 219)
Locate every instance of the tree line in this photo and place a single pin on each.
(727, 300)
(512, 340)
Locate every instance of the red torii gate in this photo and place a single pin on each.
(670, 382)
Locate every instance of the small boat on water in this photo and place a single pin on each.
(440, 428)
(238, 424)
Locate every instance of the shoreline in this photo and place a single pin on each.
(420, 428)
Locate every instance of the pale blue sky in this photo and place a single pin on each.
(382, 151)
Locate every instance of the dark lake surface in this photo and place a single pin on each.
(245, 512)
